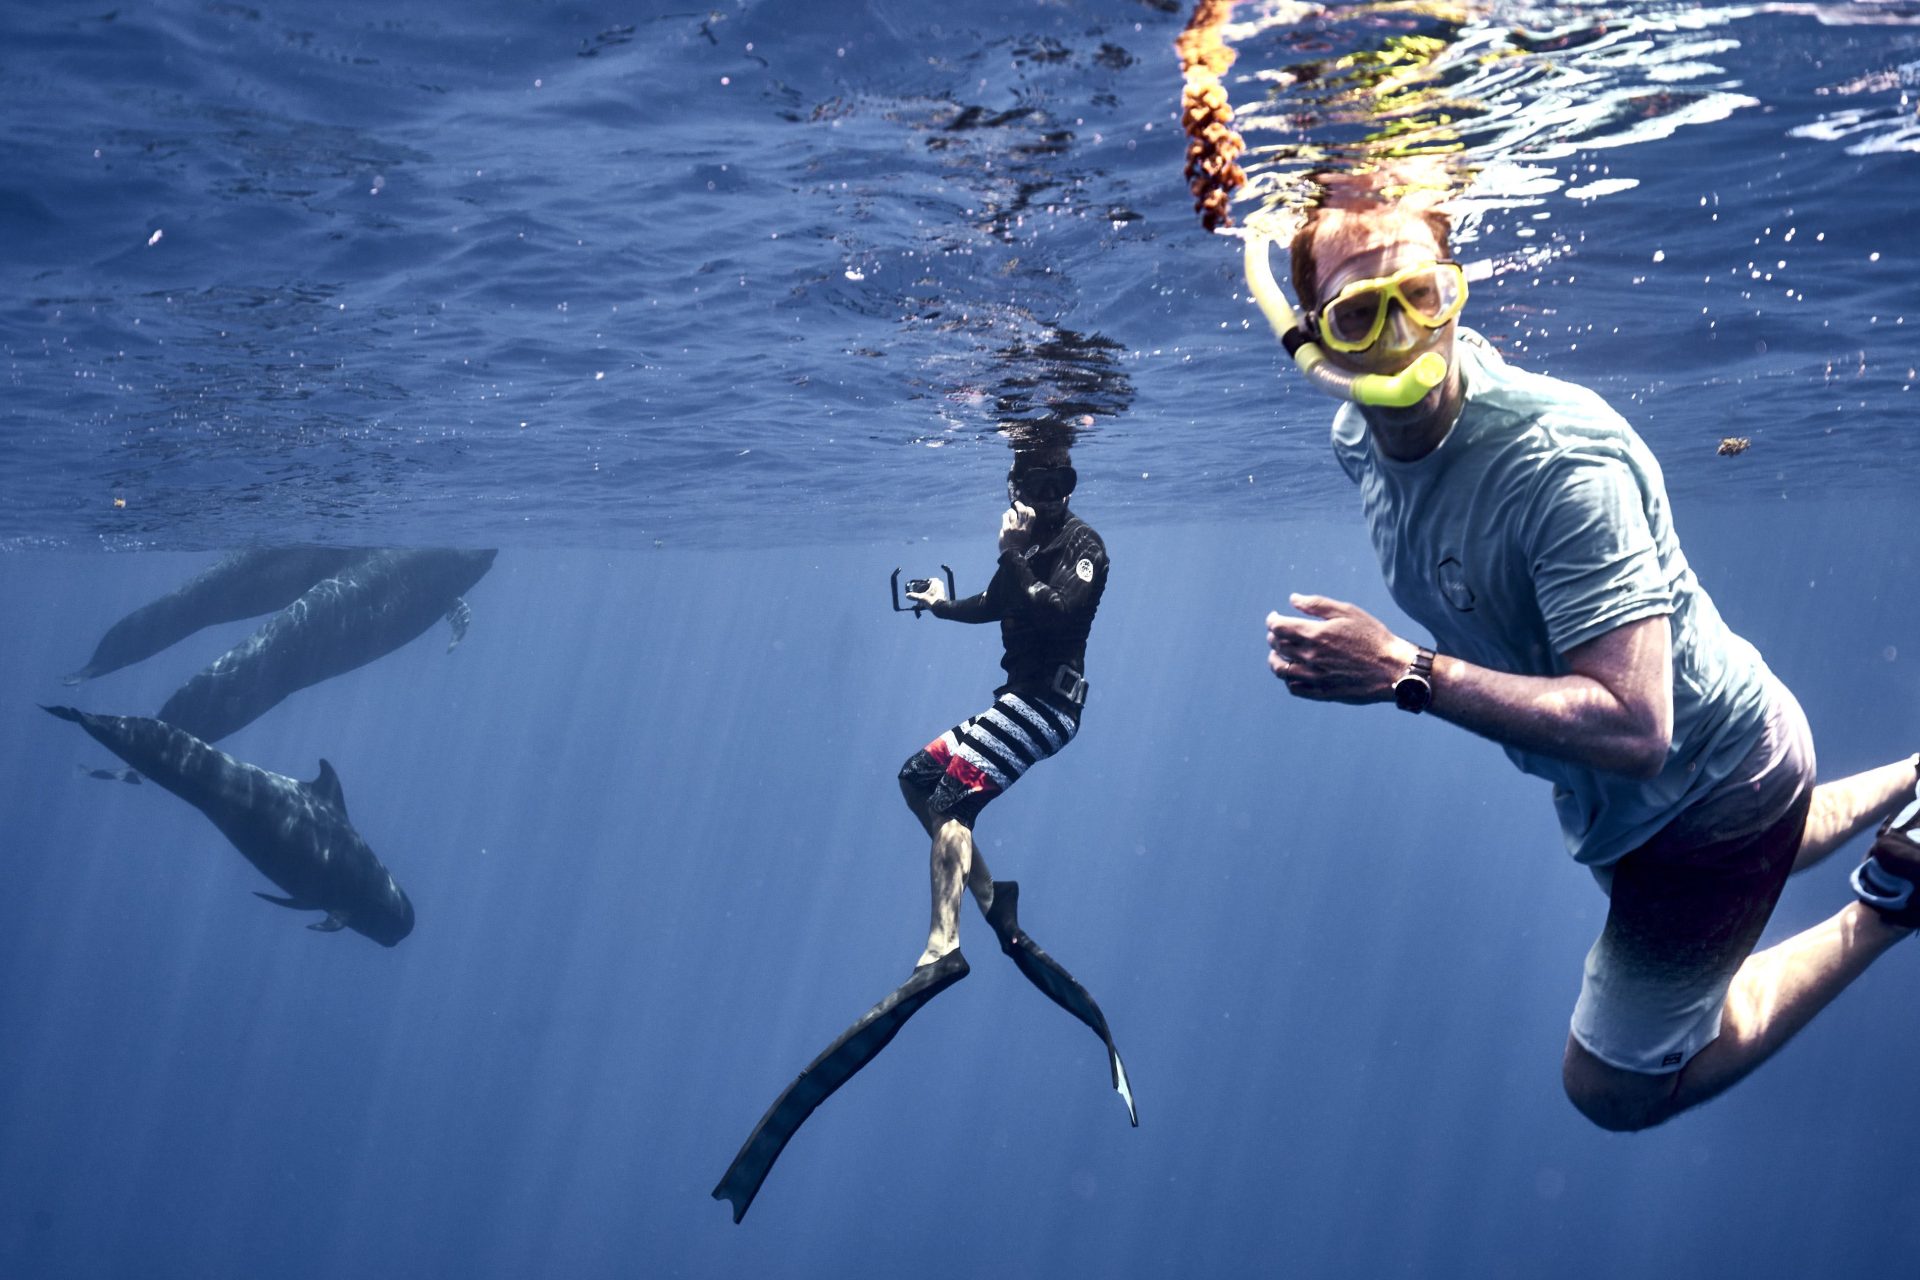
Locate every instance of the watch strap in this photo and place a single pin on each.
(1413, 691)
(1422, 664)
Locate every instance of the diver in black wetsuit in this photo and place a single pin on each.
(1053, 569)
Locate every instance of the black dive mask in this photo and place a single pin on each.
(1034, 485)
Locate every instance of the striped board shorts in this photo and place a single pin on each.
(977, 759)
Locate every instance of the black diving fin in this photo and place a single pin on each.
(1046, 973)
(856, 1047)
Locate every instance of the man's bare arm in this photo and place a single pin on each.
(1612, 712)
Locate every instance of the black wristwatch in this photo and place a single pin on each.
(1413, 691)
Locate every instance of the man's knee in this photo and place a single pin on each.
(1614, 1112)
(1616, 1100)
(919, 795)
(918, 776)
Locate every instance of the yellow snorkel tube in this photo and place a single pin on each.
(1390, 390)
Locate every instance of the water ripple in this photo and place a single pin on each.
(505, 274)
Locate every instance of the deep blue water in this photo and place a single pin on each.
(646, 810)
(647, 814)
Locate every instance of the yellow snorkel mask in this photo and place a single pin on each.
(1431, 294)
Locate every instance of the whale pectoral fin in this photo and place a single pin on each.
(294, 903)
(332, 924)
(327, 787)
(110, 775)
(458, 617)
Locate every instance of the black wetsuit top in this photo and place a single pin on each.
(1044, 599)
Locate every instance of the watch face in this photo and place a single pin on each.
(1412, 693)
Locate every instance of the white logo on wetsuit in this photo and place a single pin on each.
(1084, 571)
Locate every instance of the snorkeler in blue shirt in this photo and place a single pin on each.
(1527, 527)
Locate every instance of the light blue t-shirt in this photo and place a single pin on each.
(1539, 523)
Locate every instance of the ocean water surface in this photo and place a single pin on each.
(710, 319)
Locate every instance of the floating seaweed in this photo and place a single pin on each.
(1214, 147)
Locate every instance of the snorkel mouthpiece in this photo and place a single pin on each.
(1388, 390)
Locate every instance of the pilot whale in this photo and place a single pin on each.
(370, 608)
(245, 584)
(296, 833)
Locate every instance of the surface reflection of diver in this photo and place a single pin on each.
(1052, 571)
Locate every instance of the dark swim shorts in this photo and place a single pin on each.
(971, 763)
(1690, 904)
(1683, 921)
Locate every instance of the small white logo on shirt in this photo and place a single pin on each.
(1084, 571)
(1453, 584)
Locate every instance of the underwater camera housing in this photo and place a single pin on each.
(920, 584)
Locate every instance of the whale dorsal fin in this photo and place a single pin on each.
(327, 787)
(294, 903)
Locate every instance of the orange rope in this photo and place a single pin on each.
(1213, 171)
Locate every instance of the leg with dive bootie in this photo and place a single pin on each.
(857, 1046)
(1059, 986)
(1889, 880)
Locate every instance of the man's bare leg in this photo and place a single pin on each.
(979, 880)
(1775, 993)
(1842, 809)
(954, 861)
